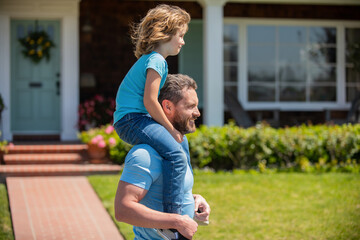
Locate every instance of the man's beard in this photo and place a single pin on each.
(181, 125)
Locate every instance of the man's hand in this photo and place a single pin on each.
(202, 209)
(187, 226)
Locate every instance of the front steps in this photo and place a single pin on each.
(45, 158)
(51, 160)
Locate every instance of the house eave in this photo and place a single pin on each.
(297, 2)
(43, 8)
(311, 2)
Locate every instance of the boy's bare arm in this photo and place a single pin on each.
(153, 106)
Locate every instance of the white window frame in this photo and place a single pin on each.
(340, 26)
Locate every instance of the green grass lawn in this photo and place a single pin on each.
(289, 206)
(6, 231)
(247, 206)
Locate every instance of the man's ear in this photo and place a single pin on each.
(167, 106)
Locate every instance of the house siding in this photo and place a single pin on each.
(292, 11)
(107, 51)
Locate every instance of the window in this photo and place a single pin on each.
(231, 42)
(352, 39)
(261, 65)
(291, 63)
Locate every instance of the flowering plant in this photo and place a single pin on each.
(37, 45)
(96, 112)
(3, 148)
(105, 137)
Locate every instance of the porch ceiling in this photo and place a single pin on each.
(316, 2)
(312, 2)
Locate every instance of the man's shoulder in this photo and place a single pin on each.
(143, 166)
(143, 155)
(144, 150)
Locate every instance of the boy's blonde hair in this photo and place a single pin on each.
(159, 25)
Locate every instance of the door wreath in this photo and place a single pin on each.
(36, 45)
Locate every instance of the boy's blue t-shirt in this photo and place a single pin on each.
(130, 95)
(143, 168)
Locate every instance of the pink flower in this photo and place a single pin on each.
(109, 112)
(97, 110)
(11, 145)
(109, 129)
(112, 141)
(97, 139)
(102, 144)
(99, 98)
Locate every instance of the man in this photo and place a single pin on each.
(138, 199)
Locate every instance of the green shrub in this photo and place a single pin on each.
(302, 148)
(319, 148)
(118, 152)
(3, 144)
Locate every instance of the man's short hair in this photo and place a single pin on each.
(174, 86)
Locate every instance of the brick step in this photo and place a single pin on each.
(46, 158)
(57, 170)
(54, 148)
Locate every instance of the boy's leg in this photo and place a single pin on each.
(142, 129)
(174, 171)
(174, 164)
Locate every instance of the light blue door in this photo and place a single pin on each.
(191, 56)
(35, 87)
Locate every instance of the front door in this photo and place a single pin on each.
(35, 87)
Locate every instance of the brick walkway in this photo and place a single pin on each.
(58, 208)
(50, 197)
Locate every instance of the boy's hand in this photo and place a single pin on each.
(177, 135)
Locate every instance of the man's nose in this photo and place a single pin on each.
(197, 112)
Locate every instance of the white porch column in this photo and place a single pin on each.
(70, 78)
(213, 62)
(5, 75)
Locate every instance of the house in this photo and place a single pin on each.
(285, 61)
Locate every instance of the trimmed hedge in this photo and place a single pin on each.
(300, 148)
